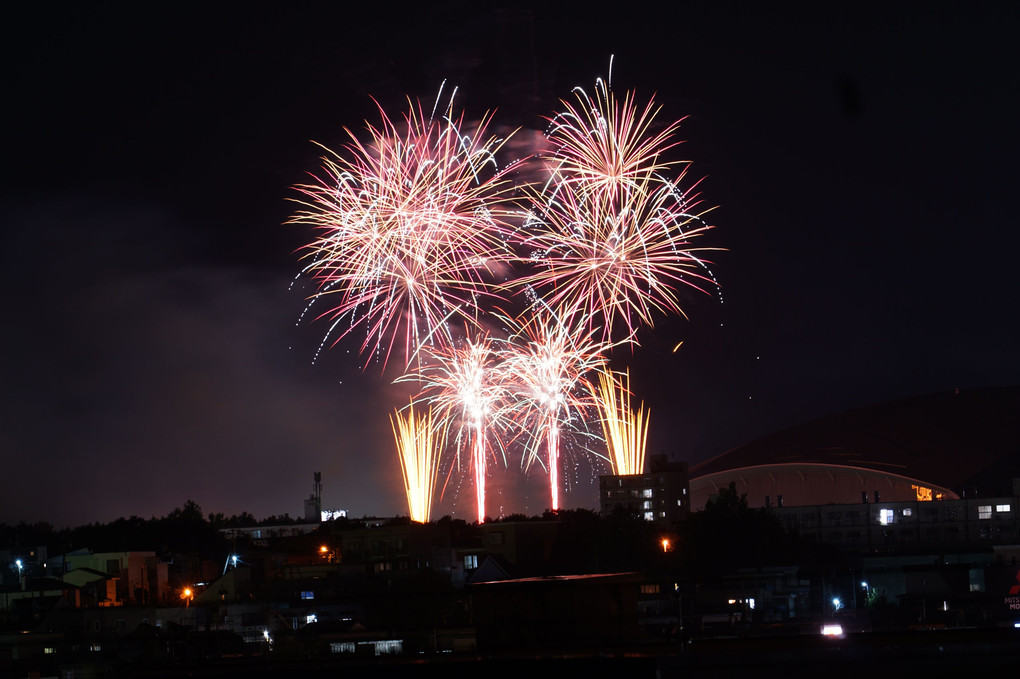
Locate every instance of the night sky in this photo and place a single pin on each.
(863, 159)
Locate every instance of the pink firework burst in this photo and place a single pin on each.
(609, 235)
(607, 262)
(601, 145)
(408, 228)
(545, 368)
(464, 384)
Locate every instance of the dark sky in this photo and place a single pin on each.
(863, 159)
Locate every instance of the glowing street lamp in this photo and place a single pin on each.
(187, 594)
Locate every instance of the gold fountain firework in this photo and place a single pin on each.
(625, 430)
(417, 439)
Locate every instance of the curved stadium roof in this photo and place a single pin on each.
(966, 442)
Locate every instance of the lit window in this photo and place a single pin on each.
(647, 504)
(647, 492)
(470, 561)
(309, 619)
(341, 647)
(388, 647)
(984, 511)
(885, 516)
(1002, 508)
(907, 512)
(649, 516)
(48, 650)
(649, 589)
(307, 594)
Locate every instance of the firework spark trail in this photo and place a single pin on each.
(417, 438)
(463, 384)
(545, 369)
(625, 430)
(409, 228)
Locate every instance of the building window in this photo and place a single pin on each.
(649, 516)
(907, 512)
(984, 511)
(470, 561)
(1002, 508)
(647, 504)
(386, 647)
(307, 594)
(885, 516)
(649, 589)
(647, 492)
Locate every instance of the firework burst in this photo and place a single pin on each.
(601, 145)
(409, 227)
(546, 368)
(612, 262)
(609, 234)
(463, 383)
(417, 439)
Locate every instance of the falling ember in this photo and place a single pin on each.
(417, 439)
(625, 430)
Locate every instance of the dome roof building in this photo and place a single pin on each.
(962, 443)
